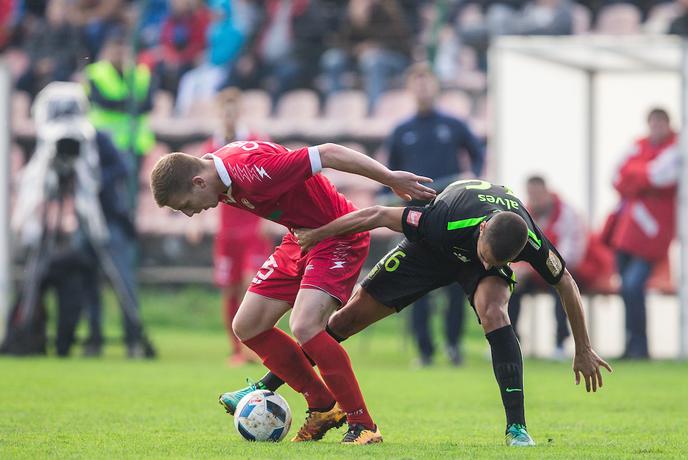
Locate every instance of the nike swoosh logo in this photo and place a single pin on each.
(511, 390)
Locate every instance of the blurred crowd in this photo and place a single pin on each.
(193, 47)
(165, 74)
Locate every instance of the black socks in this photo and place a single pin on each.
(508, 368)
(272, 382)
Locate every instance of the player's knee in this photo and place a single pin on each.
(339, 324)
(242, 329)
(304, 330)
(494, 315)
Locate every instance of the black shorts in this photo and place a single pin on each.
(410, 270)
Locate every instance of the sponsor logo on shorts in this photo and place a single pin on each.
(413, 218)
(554, 264)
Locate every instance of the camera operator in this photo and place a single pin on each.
(76, 168)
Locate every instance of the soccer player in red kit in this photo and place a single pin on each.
(240, 242)
(284, 186)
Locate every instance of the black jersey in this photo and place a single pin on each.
(449, 226)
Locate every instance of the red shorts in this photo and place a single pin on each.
(332, 266)
(237, 259)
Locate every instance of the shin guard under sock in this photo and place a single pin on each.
(508, 369)
(284, 357)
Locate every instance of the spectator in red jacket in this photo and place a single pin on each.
(642, 228)
(564, 228)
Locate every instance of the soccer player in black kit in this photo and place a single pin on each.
(469, 234)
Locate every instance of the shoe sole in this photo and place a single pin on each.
(370, 441)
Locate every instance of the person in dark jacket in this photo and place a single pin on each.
(121, 248)
(439, 146)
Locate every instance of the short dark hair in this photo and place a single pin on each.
(506, 233)
(658, 112)
(537, 180)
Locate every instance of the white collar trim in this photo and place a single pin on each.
(221, 169)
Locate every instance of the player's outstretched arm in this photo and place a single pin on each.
(406, 185)
(585, 361)
(354, 222)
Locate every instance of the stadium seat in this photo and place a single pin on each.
(299, 103)
(619, 19)
(582, 19)
(456, 103)
(163, 104)
(344, 110)
(255, 105)
(149, 217)
(204, 109)
(148, 162)
(349, 104)
(295, 114)
(392, 107)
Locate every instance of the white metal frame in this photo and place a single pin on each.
(595, 54)
(5, 255)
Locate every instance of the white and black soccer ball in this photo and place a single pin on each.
(262, 415)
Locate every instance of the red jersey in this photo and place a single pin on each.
(284, 186)
(234, 223)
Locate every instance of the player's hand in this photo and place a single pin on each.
(588, 363)
(306, 237)
(408, 186)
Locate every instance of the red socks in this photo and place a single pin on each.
(335, 368)
(231, 306)
(283, 356)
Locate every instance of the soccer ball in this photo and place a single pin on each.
(262, 416)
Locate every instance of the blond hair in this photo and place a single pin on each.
(173, 174)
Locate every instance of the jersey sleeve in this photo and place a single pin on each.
(411, 220)
(275, 170)
(541, 254)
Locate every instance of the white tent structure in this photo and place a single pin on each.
(569, 107)
(5, 98)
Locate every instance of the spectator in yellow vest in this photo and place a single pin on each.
(109, 83)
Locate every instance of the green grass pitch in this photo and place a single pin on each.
(115, 408)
